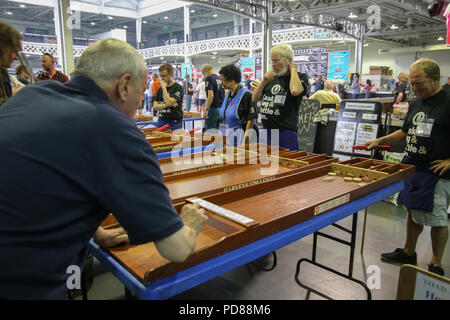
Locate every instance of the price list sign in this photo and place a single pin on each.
(358, 122)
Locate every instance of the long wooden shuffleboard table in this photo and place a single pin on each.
(257, 200)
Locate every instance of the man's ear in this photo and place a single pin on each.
(436, 78)
(124, 86)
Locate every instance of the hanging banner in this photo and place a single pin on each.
(186, 69)
(313, 64)
(338, 65)
(248, 68)
(198, 73)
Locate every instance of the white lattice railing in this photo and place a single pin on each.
(170, 50)
(35, 48)
(229, 43)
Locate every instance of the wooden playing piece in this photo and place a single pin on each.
(346, 167)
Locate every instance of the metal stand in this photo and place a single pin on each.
(274, 264)
(348, 276)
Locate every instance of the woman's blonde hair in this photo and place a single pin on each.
(403, 76)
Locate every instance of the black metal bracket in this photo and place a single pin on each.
(348, 276)
(274, 264)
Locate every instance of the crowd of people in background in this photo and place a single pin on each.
(69, 188)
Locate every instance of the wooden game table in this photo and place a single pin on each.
(251, 214)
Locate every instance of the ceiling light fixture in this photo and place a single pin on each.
(192, 11)
(393, 27)
(215, 15)
(352, 15)
(110, 18)
(125, 27)
(92, 23)
(166, 17)
(440, 38)
(145, 21)
(9, 13)
(23, 6)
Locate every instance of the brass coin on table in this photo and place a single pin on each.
(357, 179)
(329, 178)
(332, 173)
(348, 179)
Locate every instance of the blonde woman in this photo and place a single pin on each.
(400, 92)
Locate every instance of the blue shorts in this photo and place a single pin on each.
(439, 216)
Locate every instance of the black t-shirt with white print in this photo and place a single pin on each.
(419, 147)
(279, 108)
(213, 83)
(170, 113)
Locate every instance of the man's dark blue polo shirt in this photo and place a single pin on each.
(69, 158)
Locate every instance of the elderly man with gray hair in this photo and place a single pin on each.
(79, 158)
(326, 96)
(281, 91)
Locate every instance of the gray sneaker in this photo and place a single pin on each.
(399, 256)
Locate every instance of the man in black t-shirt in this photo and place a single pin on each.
(214, 98)
(169, 99)
(426, 195)
(188, 90)
(281, 92)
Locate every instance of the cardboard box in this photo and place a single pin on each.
(376, 71)
(379, 70)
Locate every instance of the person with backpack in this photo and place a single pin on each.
(50, 72)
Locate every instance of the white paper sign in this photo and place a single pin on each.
(345, 136)
(370, 116)
(428, 288)
(359, 106)
(365, 132)
(349, 115)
